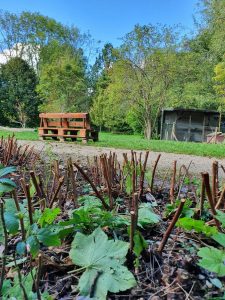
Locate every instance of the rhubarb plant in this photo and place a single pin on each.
(103, 261)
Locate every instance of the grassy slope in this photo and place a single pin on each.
(137, 142)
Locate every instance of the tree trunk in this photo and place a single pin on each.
(148, 129)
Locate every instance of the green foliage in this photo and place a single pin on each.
(19, 100)
(92, 215)
(30, 32)
(198, 226)
(187, 210)
(48, 216)
(220, 216)
(212, 259)
(219, 238)
(62, 83)
(6, 185)
(103, 261)
(11, 222)
(146, 216)
(12, 290)
(139, 243)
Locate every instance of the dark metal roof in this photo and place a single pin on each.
(190, 110)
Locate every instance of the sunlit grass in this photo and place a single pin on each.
(137, 142)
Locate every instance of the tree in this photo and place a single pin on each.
(24, 35)
(140, 78)
(19, 100)
(62, 84)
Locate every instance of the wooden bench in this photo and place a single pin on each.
(62, 126)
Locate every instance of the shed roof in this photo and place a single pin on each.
(190, 110)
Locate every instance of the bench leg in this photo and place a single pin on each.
(41, 138)
(61, 139)
(84, 141)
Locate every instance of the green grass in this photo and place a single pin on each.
(137, 142)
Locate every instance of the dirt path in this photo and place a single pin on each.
(80, 152)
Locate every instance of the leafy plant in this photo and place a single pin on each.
(212, 259)
(48, 216)
(6, 184)
(11, 217)
(37, 236)
(146, 216)
(103, 262)
(12, 290)
(186, 212)
(198, 226)
(220, 216)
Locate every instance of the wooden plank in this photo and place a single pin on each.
(54, 124)
(63, 115)
(49, 134)
(74, 124)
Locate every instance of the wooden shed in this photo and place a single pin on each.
(189, 124)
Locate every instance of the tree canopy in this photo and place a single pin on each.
(127, 87)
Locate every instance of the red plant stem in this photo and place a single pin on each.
(202, 196)
(143, 170)
(41, 186)
(9, 151)
(171, 226)
(215, 181)
(71, 174)
(220, 199)
(106, 176)
(29, 204)
(92, 185)
(210, 198)
(37, 283)
(135, 201)
(132, 229)
(173, 180)
(23, 154)
(2, 277)
(153, 172)
(34, 180)
(60, 183)
(21, 219)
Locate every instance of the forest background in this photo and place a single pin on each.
(156, 66)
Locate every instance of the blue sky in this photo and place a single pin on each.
(107, 20)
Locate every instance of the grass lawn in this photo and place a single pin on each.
(137, 142)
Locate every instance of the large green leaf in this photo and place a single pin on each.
(6, 188)
(6, 171)
(11, 222)
(146, 215)
(103, 260)
(197, 225)
(48, 238)
(219, 238)
(212, 259)
(48, 216)
(33, 245)
(221, 217)
(7, 181)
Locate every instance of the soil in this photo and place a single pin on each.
(173, 274)
(80, 153)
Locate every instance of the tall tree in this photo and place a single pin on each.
(140, 78)
(23, 35)
(62, 84)
(19, 100)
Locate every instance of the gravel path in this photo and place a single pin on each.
(80, 152)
